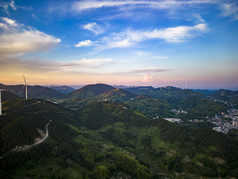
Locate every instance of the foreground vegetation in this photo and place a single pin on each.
(107, 139)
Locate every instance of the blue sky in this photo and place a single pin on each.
(127, 42)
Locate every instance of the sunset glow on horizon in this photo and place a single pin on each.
(126, 42)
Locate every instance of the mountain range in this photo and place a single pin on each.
(106, 139)
(33, 91)
(62, 89)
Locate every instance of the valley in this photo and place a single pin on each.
(100, 131)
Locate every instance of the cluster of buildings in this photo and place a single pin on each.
(219, 100)
(225, 122)
(176, 111)
(173, 120)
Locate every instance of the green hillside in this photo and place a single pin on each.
(90, 91)
(151, 102)
(108, 139)
(118, 95)
(85, 95)
(170, 94)
(200, 108)
(152, 107)
(231, 97)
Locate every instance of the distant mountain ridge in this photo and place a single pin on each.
(205, 91)
(165, 93)
(153, 102)
(33, 91)
(62, 89)
(231, 97)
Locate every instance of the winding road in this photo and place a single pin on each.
(38, 142)
(22, 148)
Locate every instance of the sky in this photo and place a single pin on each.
(124, 42)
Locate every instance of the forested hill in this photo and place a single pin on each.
(153, 102)
(226, 95)
(107, 139)
(118, 95)
(89, 91)
(33, 91)
(62, 89)
(166, 93)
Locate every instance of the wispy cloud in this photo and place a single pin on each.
(93, 27)
(148, 55)
(9, 21)
(130, 38)
(3, 26)
(143, 71)
(86, 5)
(15, 39)
(92, 62)
(199, 18)
(159, 57)
(82, 65)
(85, 43)
(230, 10)
(150, 70)
(12, 5)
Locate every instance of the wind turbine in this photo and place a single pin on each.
(1, 102)
(25, 85)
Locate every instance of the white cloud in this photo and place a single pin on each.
(2, 25)
(173, 34)
(230, 10)
(92, 62)
(199, 18)
(86, 5)
(93, 27)
(33, 15)
(81, 66)
(149, 70)
(9, 21)
(130, 38)
(17, 39)
(147, 78)
(123, 43)
(148, 55)
(85, 43)
(159, 57)
(12, 5)
(144, 71)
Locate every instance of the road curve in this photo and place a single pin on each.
(36, 143)
(40, 141)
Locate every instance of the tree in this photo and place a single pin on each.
(101, 172)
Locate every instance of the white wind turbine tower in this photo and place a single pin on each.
(25, 85)
(1, 102)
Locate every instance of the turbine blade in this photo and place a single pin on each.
(24, 79)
